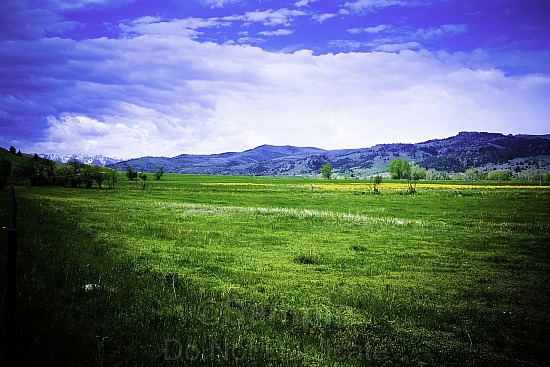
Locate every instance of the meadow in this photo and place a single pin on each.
(248, 271)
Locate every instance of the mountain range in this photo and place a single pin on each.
(485, 151)
(96, 160)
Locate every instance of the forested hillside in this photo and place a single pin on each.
(457, 154)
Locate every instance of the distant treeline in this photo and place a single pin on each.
(468, 153)
(43, 172)
(400, 168)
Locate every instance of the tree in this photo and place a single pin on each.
(64, 175)
(112, 177)
(377, 182)
(130, 173)
(12, 149)
(499, 176)
(39, 171)
(417, 173)
(326, 170)
(159, 173)
(87, 175)
(436, 175)
(75, 173)
(49, 171)
(471, 174)
(98, 175)
(399, 169)
(68, 175)
(5, 172)
(143, 177)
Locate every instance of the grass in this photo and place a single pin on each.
(232, 271)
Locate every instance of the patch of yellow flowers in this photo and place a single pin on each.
(392, 185)
(404, 185)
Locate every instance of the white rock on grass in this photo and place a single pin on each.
(91, 287)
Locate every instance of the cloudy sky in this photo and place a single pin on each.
(129, 78)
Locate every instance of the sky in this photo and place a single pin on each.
(130, 78)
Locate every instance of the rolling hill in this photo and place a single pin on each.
(486, 151)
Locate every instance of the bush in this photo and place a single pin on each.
(499, 176)
(130, 173)
(159, 173)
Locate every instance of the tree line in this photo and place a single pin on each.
(401, 169)
(18, 168)
(40, 171)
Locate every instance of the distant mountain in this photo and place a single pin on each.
(97, 160)
(454, 154)
(249, 162)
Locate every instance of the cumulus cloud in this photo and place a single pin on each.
(169, 94)
(371, 30)
(323, 17)
(178, 27)
(143, 129)
(301, 3)
(159, 90)
(371, 5)
(390, 38)
(394, 47)
(250, 40)
(348, 44)
(18, 22)
(219, 3)
(189, 27)
(278, 32)
(271, 17)
(444, 30)
(74, 4)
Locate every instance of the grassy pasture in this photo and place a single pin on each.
(219, 271)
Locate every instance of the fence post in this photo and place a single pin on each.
(13, 207)
(11, 292)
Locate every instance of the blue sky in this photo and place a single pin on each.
(131, 78)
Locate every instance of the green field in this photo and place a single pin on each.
(243, 271)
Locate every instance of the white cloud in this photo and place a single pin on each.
(347, 44)
(394, 47)
(18, 22)
(167, 94)
(135, 131)
(176, 27)
(270, 17)
(250, 40)
(370, 5)
(389, 38)
(322, 17)
(301, 3)
(82, 134)
(278, 32)
(371, 30)
(377, 29)
(75, 4)
(219, 3)
(444, 30)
